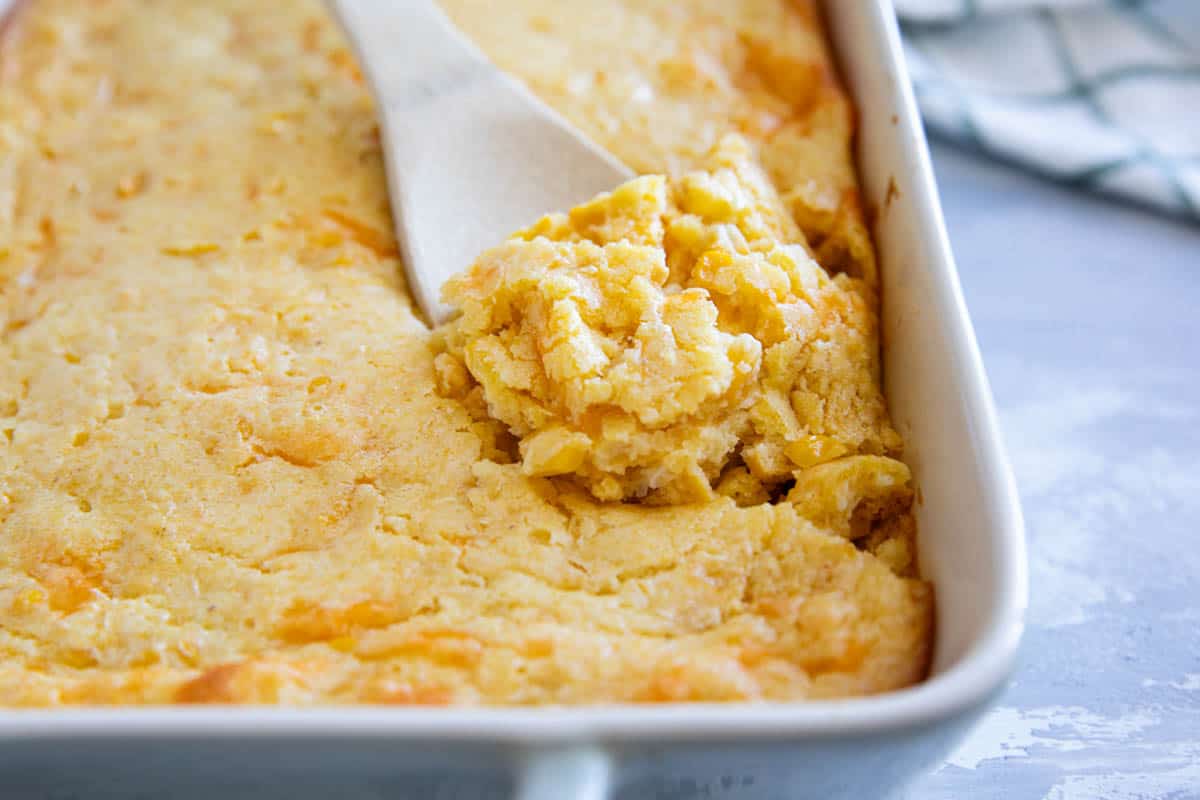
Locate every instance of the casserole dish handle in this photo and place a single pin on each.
(565, 772)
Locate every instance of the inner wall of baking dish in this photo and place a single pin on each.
(935, 390)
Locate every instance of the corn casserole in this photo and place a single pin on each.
(650, 461)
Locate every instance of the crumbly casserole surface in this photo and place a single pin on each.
(650, 462)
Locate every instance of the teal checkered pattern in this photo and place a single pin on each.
(1100, 94)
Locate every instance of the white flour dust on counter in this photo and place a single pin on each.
(1077, 709)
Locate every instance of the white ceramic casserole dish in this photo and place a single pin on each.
(971, 547)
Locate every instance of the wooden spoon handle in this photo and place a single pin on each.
(411, 52)
(471, 154)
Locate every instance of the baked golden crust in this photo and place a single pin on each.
(227, 473)
(659, 83)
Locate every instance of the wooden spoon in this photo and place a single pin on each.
(471, 154)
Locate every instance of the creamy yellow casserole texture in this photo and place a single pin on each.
(650, 462)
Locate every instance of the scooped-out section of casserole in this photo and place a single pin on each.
(649, 462)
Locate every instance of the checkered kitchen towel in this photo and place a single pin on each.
(1103, 94)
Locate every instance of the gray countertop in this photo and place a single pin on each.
(1087, 314)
